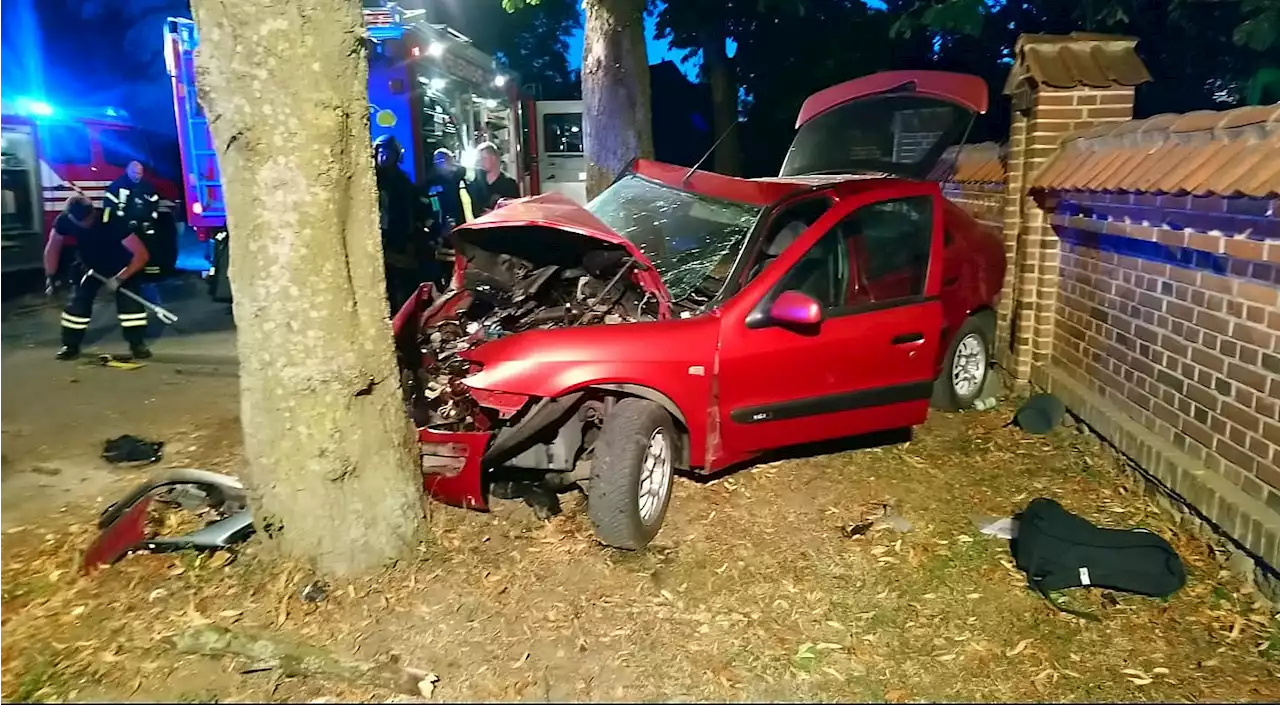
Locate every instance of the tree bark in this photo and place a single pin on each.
(724, 101)
(617, 122)
(332, 470)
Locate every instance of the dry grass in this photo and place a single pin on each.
(753, 591)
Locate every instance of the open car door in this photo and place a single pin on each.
(896, 123)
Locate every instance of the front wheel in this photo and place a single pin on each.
(632, 474)
(965, 369)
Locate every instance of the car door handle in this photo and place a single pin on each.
(908, 338)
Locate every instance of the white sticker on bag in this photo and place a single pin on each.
(1084, 576)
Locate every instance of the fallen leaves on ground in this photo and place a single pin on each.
(778, 583)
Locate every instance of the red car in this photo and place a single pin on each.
(688, 320)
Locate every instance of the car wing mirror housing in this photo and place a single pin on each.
(791, 309)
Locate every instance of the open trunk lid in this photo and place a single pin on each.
(897, 123)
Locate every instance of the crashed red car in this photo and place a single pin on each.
(688, 320)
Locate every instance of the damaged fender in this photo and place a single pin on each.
(123, 524)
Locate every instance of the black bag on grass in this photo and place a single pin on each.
(1058, 550)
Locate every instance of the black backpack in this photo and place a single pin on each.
(1058, 550)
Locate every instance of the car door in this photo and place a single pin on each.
(872, 264)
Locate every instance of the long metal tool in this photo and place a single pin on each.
(162, 313)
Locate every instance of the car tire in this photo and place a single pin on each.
(632, 474)
(966, 366)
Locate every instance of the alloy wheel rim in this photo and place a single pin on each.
(655, 477)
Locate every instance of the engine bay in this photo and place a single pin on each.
(513, 280)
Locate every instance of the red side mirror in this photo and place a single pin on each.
(796, 308)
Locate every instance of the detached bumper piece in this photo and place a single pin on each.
(125, 525)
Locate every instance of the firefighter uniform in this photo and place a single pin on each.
(101, 248)
(138, 205)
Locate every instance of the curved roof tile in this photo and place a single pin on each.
(1077, 59)
(1228, 153)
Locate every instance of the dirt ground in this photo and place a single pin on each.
(752, 591)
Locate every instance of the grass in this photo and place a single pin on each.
(41, 682)
(751, 592)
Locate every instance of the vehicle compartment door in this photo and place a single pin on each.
(873, 264)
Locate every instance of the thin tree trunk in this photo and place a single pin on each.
(724, 101)
(331, 454)
(617, 123)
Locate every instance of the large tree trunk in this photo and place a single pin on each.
(724, 101)
(330, 447)
(616, 121)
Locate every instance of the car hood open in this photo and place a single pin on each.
(558, 212)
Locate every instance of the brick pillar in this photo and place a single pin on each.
(1059, 85)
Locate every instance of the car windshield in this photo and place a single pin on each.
(692, 240)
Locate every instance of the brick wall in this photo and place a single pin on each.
(1143, 286)
(1166, 324)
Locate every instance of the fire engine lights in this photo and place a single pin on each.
(435, 49)
(437, 84)
(197, 208)
(499, 80)
(31, 106)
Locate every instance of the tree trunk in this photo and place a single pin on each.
(332, 469)
(617, 123)
(724, 101)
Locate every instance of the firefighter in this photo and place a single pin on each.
(447, 189)
(134, 200)
(115, 252)
(398, 220)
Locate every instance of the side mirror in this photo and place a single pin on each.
(795, 308)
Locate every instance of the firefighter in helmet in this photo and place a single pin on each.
(106, 246)
(447, 189)
(398, 220)
(132, 199)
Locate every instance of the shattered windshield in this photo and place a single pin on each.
(692, 240)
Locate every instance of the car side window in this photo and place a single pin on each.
(876, 254)
(823, 272)
(889, 243)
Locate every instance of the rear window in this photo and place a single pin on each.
(902, 135)
(63, 143)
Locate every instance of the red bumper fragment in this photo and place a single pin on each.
(451, 469)
(119, 538)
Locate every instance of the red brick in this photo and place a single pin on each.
(1235, 454)
(1214, 322)
(1260, 448)
(1271, 432)
(1252, 335)
(1267, 407)
(1240, 416)
(1245, 248)
(1246, 376)
(1203, 397)
(1208, 359)
(1197, 432)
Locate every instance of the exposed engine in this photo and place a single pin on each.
(550, 283)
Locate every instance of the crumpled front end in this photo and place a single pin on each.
(508, 280)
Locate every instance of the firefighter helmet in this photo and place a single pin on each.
(391, 146)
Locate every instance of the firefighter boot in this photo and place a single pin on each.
(139, 351)
(68, 352)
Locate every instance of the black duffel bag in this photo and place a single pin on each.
(1059, 550)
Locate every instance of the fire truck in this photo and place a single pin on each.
(429, 87)
(52, 152)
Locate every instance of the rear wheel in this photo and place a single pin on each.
(965, 369)
(631, 474)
